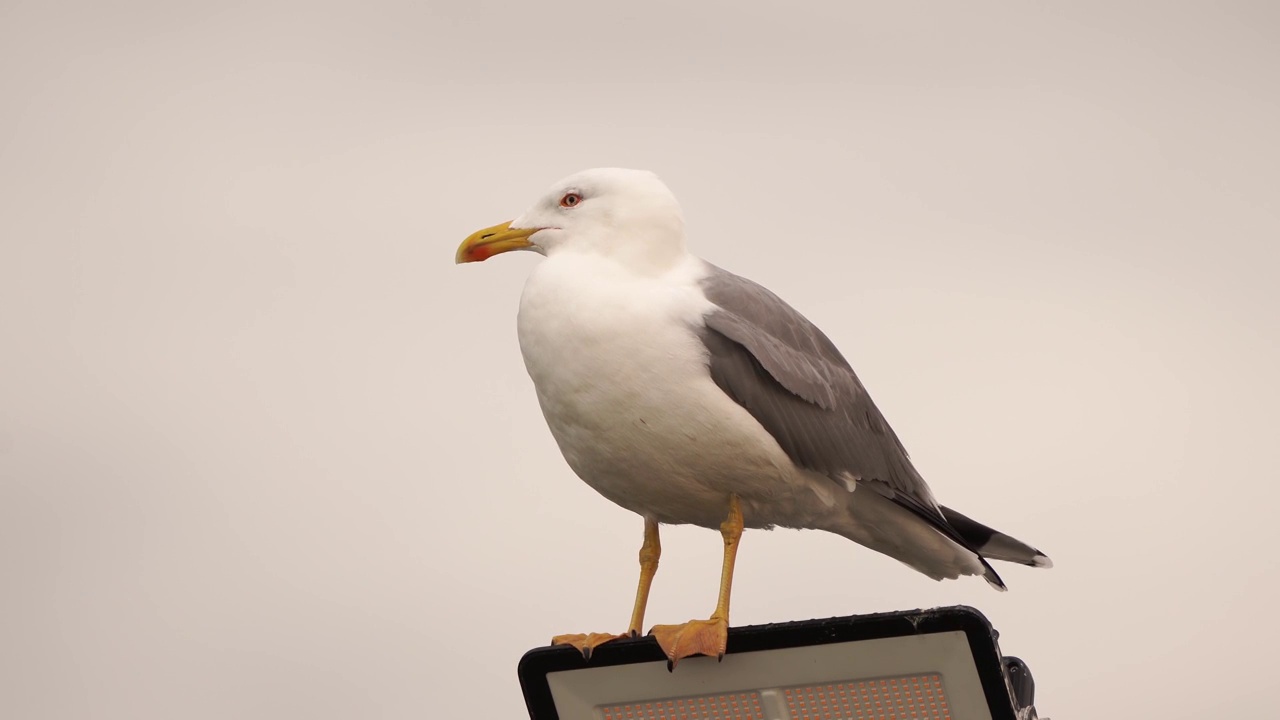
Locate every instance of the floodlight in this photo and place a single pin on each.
(941, 664)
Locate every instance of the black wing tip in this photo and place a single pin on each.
(992, 577)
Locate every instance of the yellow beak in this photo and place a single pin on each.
(484, 244)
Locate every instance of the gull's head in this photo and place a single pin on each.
(629, 215)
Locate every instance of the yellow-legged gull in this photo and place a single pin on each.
(690, 395)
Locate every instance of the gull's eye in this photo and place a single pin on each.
(570, 200)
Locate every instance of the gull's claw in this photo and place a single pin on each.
(696, 637)
(587, 642)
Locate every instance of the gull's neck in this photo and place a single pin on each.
(650, 257)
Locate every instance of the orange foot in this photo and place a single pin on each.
(587, 642)
(696, 637)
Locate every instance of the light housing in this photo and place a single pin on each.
(940, 664)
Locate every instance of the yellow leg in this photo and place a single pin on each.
(707, 637)
(650, 551)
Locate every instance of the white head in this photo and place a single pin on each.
(627, 215)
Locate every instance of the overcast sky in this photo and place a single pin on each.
(266, 452)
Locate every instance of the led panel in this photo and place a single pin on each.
(731, 706)
(909, 697)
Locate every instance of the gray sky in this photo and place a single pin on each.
(266, 452)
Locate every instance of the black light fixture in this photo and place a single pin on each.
(941, 664)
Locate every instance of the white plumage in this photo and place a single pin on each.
(623, 382)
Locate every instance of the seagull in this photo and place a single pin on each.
(689, 395)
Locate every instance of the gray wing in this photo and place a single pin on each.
(783, 370)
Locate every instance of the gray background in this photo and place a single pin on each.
(266, 452)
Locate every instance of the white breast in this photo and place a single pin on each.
(621, 375)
